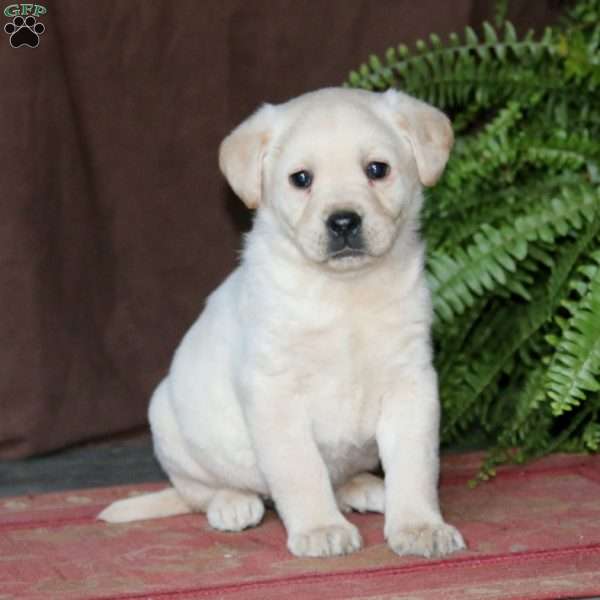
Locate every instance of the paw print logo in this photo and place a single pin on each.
(24, 32)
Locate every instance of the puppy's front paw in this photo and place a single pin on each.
(428, 540)
(233, 510)
(329, 540)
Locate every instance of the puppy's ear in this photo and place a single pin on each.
(428, 130)
(242, 152)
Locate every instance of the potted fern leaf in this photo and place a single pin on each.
(513, 231)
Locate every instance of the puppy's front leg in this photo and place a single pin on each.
(298, 479)
(407, 436)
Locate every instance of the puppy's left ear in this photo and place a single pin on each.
(242, 153)
(428, 130)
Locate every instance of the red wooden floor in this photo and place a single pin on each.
(533, 532)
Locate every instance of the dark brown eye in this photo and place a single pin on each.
(301, 179)
(377, 170)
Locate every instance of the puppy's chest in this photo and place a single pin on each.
(345, 418)
(342, 377)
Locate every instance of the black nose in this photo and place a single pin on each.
(344, 224)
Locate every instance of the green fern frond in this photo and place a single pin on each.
(448, 223)
(477, 67)
(575, 368)
(503, 333)
(456, 280)
(591, 436)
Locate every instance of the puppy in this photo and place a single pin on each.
(312, 361)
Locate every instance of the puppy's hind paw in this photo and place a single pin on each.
(234, 510)
(428, 540)
(363, 493)
(330, 540)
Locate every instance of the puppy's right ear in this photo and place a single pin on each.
(242, 153)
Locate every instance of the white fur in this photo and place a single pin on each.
(303, 371)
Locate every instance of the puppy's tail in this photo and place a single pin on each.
(166, 503)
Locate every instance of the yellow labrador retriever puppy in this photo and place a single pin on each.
(312, 361)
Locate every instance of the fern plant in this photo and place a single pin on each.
(513, 230)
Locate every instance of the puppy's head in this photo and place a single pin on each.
(340, 169)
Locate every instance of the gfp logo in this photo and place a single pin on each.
(24, 30)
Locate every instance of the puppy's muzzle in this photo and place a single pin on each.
(344, 229)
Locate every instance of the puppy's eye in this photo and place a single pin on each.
(377, 170)
(301, 179)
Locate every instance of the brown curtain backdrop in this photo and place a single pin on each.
(114, 220)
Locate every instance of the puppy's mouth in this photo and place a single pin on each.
(348, 259)
(347, 252)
